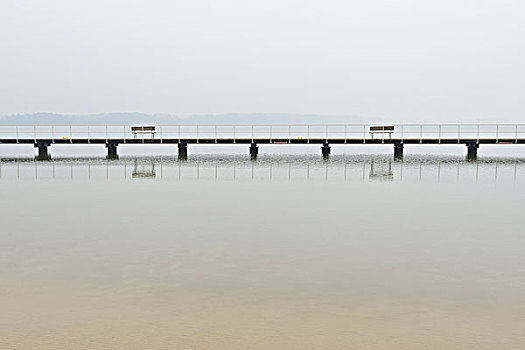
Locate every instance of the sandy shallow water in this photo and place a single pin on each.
(216, 264)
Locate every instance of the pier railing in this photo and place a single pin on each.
(276, 131)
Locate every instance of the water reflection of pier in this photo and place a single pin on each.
(381, 171)
(351, 170)
(143, 170)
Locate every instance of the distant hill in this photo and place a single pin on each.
(157, 119)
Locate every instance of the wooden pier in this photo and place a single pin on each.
(325, 135)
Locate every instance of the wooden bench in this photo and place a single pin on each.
(149, 129)
(382, 129)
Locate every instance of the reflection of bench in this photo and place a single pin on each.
(381, 173)
(143, 130)
(143, 171)
(382, 129)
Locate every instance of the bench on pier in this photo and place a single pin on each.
(382, 129)
(148, 129)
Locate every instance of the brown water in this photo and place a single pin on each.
(430, 259)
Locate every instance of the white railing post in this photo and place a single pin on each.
(345, 139)
(439, 134)
(178, 131)
(308, 133)
(53, 133)
(516, 139)
(34, 132)
(289, 133)
(197, 134)
(161, 140)
(215, 129)
(234, 134)
(252, 133)
(106, 133)
(459, 133)
(497, 133)
(271, 133)
(478, 134)
(89, 141)
(420, 133)
(17, 134)
(364, 133)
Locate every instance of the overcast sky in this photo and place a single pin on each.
(406, 60)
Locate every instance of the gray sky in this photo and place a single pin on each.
(406, 60)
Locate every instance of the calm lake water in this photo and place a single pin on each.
(289, 252)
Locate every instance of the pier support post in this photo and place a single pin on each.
(42, 150)
(398, 150)
(183, 150)
(254, 151)
(112, 150)
(472, 150)
(325, 150)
